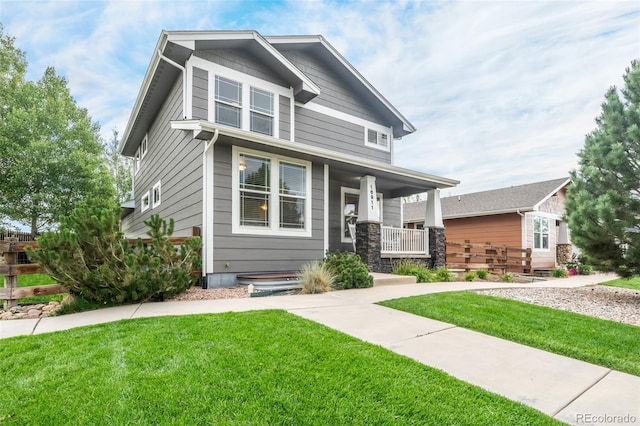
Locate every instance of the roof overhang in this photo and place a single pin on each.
(172, 51)
(488, 213)
(322, 48)
(392, 181)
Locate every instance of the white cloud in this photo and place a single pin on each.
(501, 92)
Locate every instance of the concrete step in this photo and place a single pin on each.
(390, 279)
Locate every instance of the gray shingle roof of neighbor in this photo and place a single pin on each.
(503, 200)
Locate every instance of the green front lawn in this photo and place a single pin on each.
(606, 343)
(263, 367)
(632, 283)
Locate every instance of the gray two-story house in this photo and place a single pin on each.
(273, 147)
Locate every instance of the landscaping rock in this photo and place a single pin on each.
(40, 310)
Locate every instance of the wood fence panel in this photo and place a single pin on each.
(474, 256)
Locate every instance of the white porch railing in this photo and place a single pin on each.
(402, 241)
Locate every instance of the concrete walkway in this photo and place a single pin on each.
(570, 390)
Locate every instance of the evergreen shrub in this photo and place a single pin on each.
(348, 269)
(90, 257)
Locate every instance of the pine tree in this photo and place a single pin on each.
(603, 204)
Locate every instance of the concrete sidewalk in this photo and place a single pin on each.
(569, 390)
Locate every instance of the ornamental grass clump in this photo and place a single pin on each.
(315, 277)
(482, 274)
(560, 273)
(444, 275)
(411, 267)
(470, 276)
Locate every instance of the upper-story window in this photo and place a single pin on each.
(261, 111)
(136, 161)
(377, 139)
(143, 147)
(228, 102)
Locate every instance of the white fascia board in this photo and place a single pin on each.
(487, 213)
(406, 125)
(144, 88)
(311, 150)
(539, 203)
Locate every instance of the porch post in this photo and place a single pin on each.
(564, 249)
(368, 242)
(434, 223)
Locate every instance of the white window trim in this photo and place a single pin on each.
(145, 206)
(533, 233)
(345, 190)
(136, 162)
(378, 137)
(274, 211)
(157, 186)
(247, 81)
(144, 146)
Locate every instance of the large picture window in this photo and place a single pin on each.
(271, 195)
(540, 232)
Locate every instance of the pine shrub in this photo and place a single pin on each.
(348, 270)
(90, 257)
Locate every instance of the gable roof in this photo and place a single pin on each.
(320, 47)
(174, 48)
(519, 198)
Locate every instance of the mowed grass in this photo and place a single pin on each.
(253, 368)
(632, 283)
(34, 280)
(606, 343)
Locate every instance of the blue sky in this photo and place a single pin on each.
(502, 92)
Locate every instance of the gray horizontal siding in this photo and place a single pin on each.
(200, 106)
(285, 117)
(258, 253)
(391, 212)
(334, 91)
(242, 61)
(321, 130)
(174, 159)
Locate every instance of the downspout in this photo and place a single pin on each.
(207, 190)
(184, 79)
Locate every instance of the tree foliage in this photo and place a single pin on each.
(120, 169)
(51, 151)
(603, 204)
(89, 256)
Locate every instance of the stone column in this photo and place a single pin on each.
(368, 244)
(434, 223)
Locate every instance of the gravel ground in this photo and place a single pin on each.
(198, 293)
(610, 303)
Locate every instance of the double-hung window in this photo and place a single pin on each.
(540, 232)
(261, 111)
(271, 194)
(228, 102)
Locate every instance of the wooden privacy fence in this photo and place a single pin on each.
(471, 256)
(14, 251)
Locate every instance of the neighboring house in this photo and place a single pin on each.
(527, 216)
(271, 145)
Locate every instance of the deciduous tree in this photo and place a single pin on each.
(51, 155)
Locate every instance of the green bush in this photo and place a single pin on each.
(444, 275)
(89, 256)
(411, 267)
(584, 269)
(348, 270)
(559, 273)
(507, 278)
(470, 276)
(483, 274)
(315, 277)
